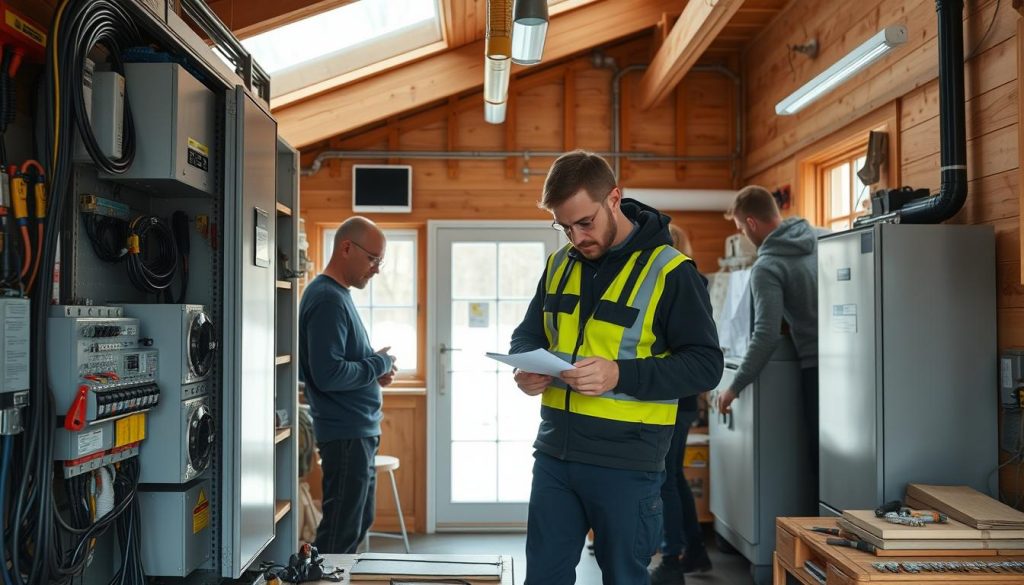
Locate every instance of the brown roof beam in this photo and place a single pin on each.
(692, 34)
(247, 18)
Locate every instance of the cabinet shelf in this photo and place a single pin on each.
(281, 507)
(284, 284)
(283, 359)
(283, 209)
(281, 434)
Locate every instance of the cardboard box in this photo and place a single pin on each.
(696, 456)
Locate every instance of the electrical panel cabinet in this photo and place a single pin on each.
(175, 131)
(165, 340)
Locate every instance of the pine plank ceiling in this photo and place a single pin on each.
(425, 76)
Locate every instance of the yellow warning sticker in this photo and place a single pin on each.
(33, 33)
(201, 513)
(196, 145)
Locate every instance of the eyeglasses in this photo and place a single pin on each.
(377, 261)
(584, 225)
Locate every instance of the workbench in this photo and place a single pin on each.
(794, 544)
(346, 562)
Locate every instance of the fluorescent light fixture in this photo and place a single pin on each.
(494, 113)
(496, 77)
(529, 30)
(843, 69)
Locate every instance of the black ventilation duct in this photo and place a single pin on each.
(952, 129)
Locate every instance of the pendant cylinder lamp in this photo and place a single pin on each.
(529, 31)
(494, 113)
(497, 51)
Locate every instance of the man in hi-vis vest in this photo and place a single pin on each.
(632, 314)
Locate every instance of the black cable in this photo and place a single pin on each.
(179, 224)
(152, 254)
(107, 235)
(77, 27)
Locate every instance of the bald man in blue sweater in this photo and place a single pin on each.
(343, 376)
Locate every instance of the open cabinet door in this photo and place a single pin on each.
(247, 448)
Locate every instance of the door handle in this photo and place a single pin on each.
(442, 366)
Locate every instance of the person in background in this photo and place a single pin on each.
(683, 550)
(343, 376)
(784, 285)
(632, 315)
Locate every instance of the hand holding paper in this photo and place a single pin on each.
(538, 361)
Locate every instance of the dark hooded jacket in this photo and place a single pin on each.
(683, 326)
(783, 285)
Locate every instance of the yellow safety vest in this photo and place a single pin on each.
(620, 327)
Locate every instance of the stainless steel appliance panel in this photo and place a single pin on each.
(939, 371)
(849, 409)
(248, 465)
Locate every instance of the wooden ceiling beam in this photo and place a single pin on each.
(455, 71)
(250, 17)
(692, 34)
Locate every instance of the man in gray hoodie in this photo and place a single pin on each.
(784, 285)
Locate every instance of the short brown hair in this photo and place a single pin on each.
(573, 171)
(753, 201)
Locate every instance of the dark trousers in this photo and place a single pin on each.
(809, 391)
(568, 498)
(682, 530)
(349, 492)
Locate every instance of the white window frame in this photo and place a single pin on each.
(392, 235)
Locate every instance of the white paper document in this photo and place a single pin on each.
(538, 361)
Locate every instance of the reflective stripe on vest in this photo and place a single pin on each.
(620, 327)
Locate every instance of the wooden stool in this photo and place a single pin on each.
(390, 464)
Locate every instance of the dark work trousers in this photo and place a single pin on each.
(568, 498)
(350, 483)
(809, 390)
(682, 530)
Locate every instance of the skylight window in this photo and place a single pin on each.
(343, 39)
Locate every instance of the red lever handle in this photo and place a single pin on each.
(74, 420)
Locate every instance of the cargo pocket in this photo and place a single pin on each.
(648, 532)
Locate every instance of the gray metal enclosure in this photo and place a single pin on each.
(907, 361)
(760, 463)
(247, 467)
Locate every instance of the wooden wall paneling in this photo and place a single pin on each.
(1020, 116)
(986, 113)
(773, 138)
(403, 435)
(986, 155)
(626, 109)
(475, 133)
(593, 105)
(681, 128)
(394, 136)
(453, 134)
(569, 110)
(989, 199)
(511, 170)
(539, 117)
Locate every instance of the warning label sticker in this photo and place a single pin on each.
(37, 36)
(90, 442)
(198, 155)
(201, 513)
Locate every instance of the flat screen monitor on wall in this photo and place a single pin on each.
(382, 188)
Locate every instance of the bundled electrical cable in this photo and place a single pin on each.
(33, 544)
(152, 254)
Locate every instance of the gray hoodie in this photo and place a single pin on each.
(784, 285)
